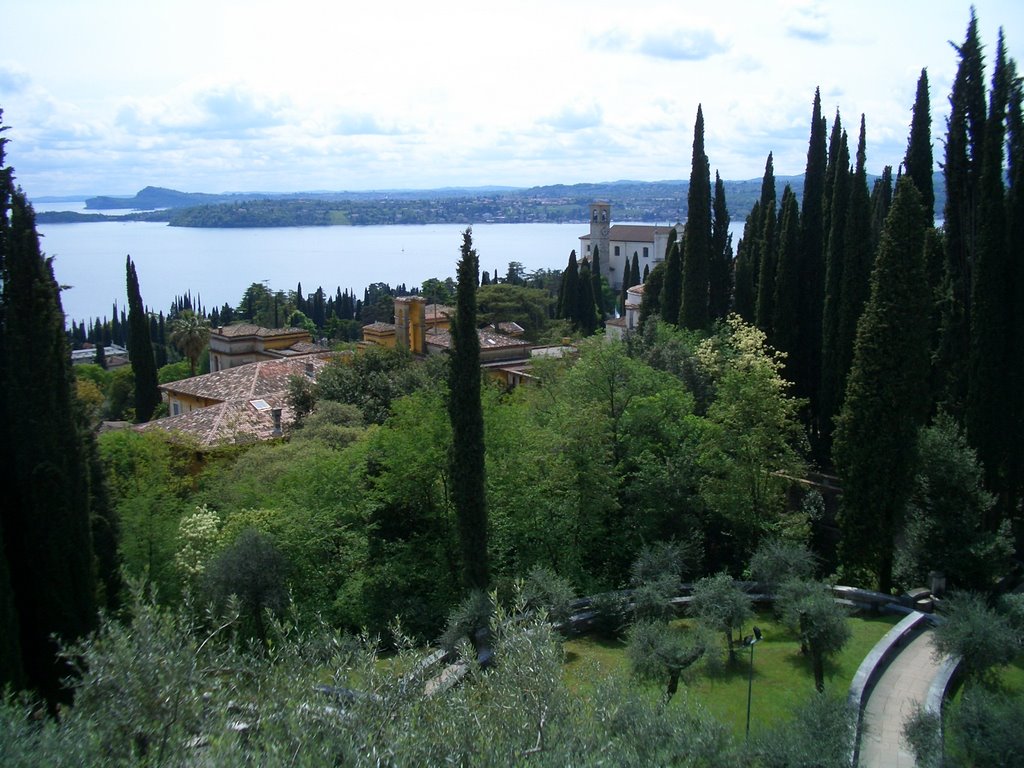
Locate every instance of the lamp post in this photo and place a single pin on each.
(751, 641)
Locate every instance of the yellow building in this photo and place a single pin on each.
(233, 345)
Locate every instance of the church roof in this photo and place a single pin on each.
(633, 233)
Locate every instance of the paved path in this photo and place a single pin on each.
(901, 688)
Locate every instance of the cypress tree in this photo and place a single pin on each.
(45, 514)
(634, 271)
(805, 361)
(101, 356)
(672, 290)
(918, 164)
(962, 170)
(650, 304)
(466, 415)
(886, 397)
(693, 313)
(720, 290)
(831, 370)
(1015, 247)
(881, 200)
(566, 307)
(745, 292)
(625, 284)
(11, 671)
(586, 309)
(768, 252)
(597, 288)
(992, 303)
(786, 320)
(140, 351)
(858, 260)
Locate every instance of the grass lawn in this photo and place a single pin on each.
(782, 677)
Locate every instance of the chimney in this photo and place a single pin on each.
(276, 413)
(310, 371)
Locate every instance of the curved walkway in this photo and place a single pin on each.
(902, 687)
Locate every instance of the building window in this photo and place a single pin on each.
(645, 251)
(588, 249)
(175, 409)
(616, 250)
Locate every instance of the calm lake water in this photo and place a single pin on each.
(217, 265)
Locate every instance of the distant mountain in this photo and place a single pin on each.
(649, 201)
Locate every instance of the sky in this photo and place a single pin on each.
(109, 96)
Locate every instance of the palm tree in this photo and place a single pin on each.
(189, 333)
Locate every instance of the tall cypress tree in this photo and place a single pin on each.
(586, 308)
(786, 320)
(45, 514)
(918, 164)
(567, 292)
(650, 304)
(598, 288)
(881, 200)
(805, 361)
(992, 303)
(962, 169)
(140, 351)
(745, 290)
(720, 291)
(11, 671)
(886, 397)
(693, 313)
(672, 290)
(768, 252)
(634, 271)
(858, 260)
(466, 414)
(831, 369)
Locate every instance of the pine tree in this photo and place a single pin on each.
(768, 252)
(918, 164)
(45, 514)
(693, 313)
(721, 254)
(140, 351)
(886, 397)
(466, 414)
(805, 362)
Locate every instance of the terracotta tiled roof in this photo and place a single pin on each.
(616, 321)
(248, 329)
(489, 339)
(246, 382)
(379, 327)
(633, 233)
(235, 422)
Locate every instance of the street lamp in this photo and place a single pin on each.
(751, 641)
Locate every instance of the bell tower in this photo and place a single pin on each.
(600, 222)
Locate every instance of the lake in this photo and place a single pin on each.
(217, 265)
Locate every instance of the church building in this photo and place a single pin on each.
(617, 243)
